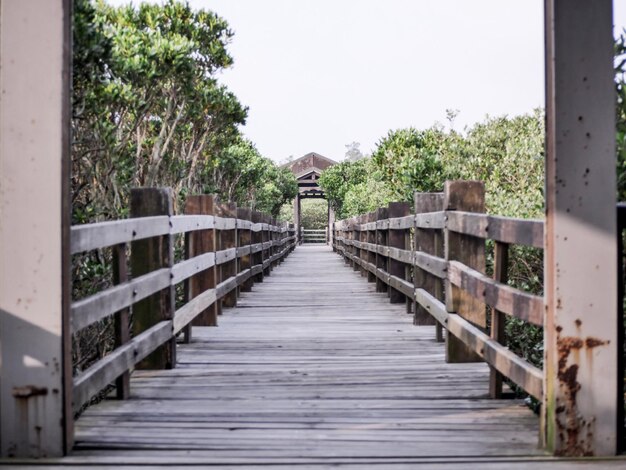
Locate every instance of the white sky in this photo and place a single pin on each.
(319, 74)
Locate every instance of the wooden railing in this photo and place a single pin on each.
(314, 236)
(226, 249)
(434, 260)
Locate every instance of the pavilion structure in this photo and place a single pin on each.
(307, 170)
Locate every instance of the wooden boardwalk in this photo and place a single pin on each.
(313, 369)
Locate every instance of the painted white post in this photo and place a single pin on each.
(34, 229)
(580, 389)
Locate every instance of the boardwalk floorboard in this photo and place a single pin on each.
(312, 370)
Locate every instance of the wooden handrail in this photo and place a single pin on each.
(273, 243)
(364, 242)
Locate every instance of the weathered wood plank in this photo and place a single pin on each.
(102, 234)
(502, 297)
(509, 230)
(501, 358)
(225, 223)
(187, 268)
(432, 264)
(188, 312)
(93, 308)
(103, 372)
(433, 306)
(224, 256)
(191, 223)
(303, 373)
(431, 220)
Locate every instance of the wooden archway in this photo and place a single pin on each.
(307, 170)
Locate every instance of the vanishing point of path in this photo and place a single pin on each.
(313, 370)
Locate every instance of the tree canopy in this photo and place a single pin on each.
(149, 111)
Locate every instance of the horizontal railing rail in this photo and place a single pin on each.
(226, 250)
(434, 260)
(315, 235)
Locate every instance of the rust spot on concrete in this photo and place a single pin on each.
(575, 432)
(28, 391)
(591, 342)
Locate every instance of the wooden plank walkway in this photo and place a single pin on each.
(313, 370)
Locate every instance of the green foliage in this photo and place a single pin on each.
(508, 155)
(354, 187)
(149, 111)
(242, 175)
(314, 214)
(411, 160)
(336, 180)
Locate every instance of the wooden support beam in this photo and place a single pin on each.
(466, 196)
(122, 318)
(580, 406)
(257, 238)
(397, 239)
(371, 238)
(229, 240)
(201, 242)
(146, 256)
(244, 238)
(429, 241)
(297, 217)
(267, 239)
(381, 239)
(35, 391)
(501, 275)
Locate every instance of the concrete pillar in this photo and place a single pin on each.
(35, 53)
(581, 347)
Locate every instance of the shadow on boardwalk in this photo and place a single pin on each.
(314, 369)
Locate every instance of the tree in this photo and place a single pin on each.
(411, 160)
(353, 152)
(148, 110)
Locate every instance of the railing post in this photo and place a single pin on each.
(346, 228)
(363, 239)
(500, 274)
(397, 239)
(292, 233)
(273, 238)
(381, 240)
(267, 239)
(244, 239)
(429, 241)
(229, 241)
(198, 243)
(257, 237)
(121, 318)
(356, 252)
(371, 239)
(146, 256)
(468, 196)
